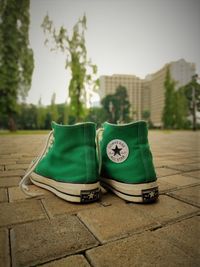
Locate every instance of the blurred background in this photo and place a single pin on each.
(82, 60)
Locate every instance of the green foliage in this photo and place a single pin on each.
(192, 94)
(175, 113)
(146, 115)
(27, 117)
(53, 108)
(97, 115)
(40, 115)
(16, 57)
(168, 117)
(82, 70)
(62, 113)
(117, 105)
(188, 91)
(181, 110)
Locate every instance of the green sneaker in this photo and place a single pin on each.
(68, 167)
(127, 166)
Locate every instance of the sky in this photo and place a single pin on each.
(123, 37)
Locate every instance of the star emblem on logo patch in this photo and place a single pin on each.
(117, 150)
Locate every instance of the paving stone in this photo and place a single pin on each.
(166, 162)
(4, 248)
(10, 181)
(166, 210)
(165, 187)
(3, 195)
(112, 222)
(20, 212)
(16, 194)
(70, 261)
(56, 206)
(140, 250)
(186, 167)
(190, 195)
(185, 235)
(195, 174)
(165, 172)
(41, 241)
(7, 161)
(187, 160)
(11, 173)
(180, 180)
(1, 167)
(25, 161)
(17, 167)
(109, 199)
(6, 156)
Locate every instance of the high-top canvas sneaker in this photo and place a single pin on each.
(127, 165)
(69, 167)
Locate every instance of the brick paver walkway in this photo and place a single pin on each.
(111, 232)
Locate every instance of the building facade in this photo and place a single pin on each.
(181, 72)
(109, 84)
(148, 94)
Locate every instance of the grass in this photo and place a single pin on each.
(23, 132)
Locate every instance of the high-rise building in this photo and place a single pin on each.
(148, 94)
(181, 72)
(109, 84)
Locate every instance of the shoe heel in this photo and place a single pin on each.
(140, 193)
(87, 196)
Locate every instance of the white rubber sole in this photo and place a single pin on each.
(141, 193)
(81, 193)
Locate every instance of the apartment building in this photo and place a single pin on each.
(181, 72)
(149, 93)
(109, 84)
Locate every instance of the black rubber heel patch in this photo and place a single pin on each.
(150, 195)
(88, 196)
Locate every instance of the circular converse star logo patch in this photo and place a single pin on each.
(117, 150)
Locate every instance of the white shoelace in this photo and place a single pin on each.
(98, 138)
(26, 178)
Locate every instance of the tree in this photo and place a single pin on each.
(62, 113)
(181, 110)
(53, 108)
(192, 93)
(97, 115)
(146, 115)
(27, 116)
(117, 105)
(82, 70)
(123, 105)
(168, 116)
(16, 57)
(109, 104)
(40, 115)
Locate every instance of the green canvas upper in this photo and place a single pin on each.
(138, 166)
(72, 157)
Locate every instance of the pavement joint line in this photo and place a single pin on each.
(10, 226)
(85, 256)
(88, 258)
(182, 171)
(180, 219)
(177, 188)
(7, 194)
(88, 229)
(175, 222)
(183, 200)
(44, 209)
(10, 248)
